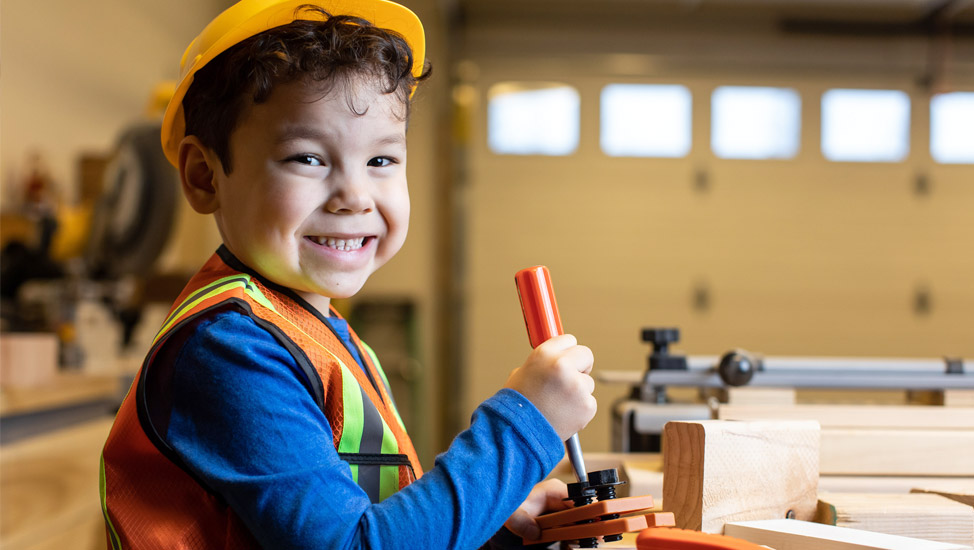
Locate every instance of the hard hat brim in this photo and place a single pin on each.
(250, 17)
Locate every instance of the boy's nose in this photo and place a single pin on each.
(350, 195)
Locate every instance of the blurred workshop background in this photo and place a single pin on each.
(791, 177)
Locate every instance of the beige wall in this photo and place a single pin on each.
(801, 257)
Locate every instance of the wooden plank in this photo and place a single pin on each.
(894, 484)
(897, 452)
(956, 492)
(959, 398)
(49, 490)
(63, 390)
(717, 471)
(859, 416)
(789, 534)
(925, 516)
(752, 396)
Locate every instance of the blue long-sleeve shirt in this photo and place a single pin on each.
(244, 420)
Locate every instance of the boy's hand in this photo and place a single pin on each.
(547, 496)
(556, 379)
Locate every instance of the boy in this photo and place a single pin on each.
(259, 419)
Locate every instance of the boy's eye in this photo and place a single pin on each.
(381, 161)
(310, 160)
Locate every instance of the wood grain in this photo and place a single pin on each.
(898, 452)
(925, 516)
(956, 491)
(882, 440)
(900, 417)
(718, 471)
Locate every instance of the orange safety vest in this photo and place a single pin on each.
(151, 500)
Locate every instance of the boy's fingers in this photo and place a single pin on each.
(588, 384)
(523, 525)
(584, 358)
(558, 343)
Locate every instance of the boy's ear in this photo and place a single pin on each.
(198, 169)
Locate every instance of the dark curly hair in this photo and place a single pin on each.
(332, 50)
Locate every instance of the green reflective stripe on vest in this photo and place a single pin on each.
(353, 422)
(388, 475)
(204, 293)
(240, 280)
(385, 380)
(116, 542)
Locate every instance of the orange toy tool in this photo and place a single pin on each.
(543, 322)
(564, 525)
(538, 304)
(683, 539)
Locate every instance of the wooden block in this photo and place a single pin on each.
(789, 534)
(716, 471)
(897, 452)
(956, 492)
(28, 360)
(898, 417)
(753, 396)
(924, 516)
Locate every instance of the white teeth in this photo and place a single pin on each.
(340, 244)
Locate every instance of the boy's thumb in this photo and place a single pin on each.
(523, 525)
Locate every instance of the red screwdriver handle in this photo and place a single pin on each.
(538, 304)
(543, 321)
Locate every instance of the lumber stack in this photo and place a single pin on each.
(921, 515)
(881, 440)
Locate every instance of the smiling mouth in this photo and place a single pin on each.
(344, 245)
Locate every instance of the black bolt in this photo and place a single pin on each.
(604, 482)
(581, 494)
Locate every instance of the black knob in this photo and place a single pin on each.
(603, 477)
(737, 368)
(661, 338)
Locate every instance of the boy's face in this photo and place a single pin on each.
(317, 198)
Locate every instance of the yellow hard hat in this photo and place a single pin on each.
(250, 17)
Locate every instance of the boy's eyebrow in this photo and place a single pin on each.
(391, 139)
(302, 131)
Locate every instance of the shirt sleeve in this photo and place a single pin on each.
(245, 421)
